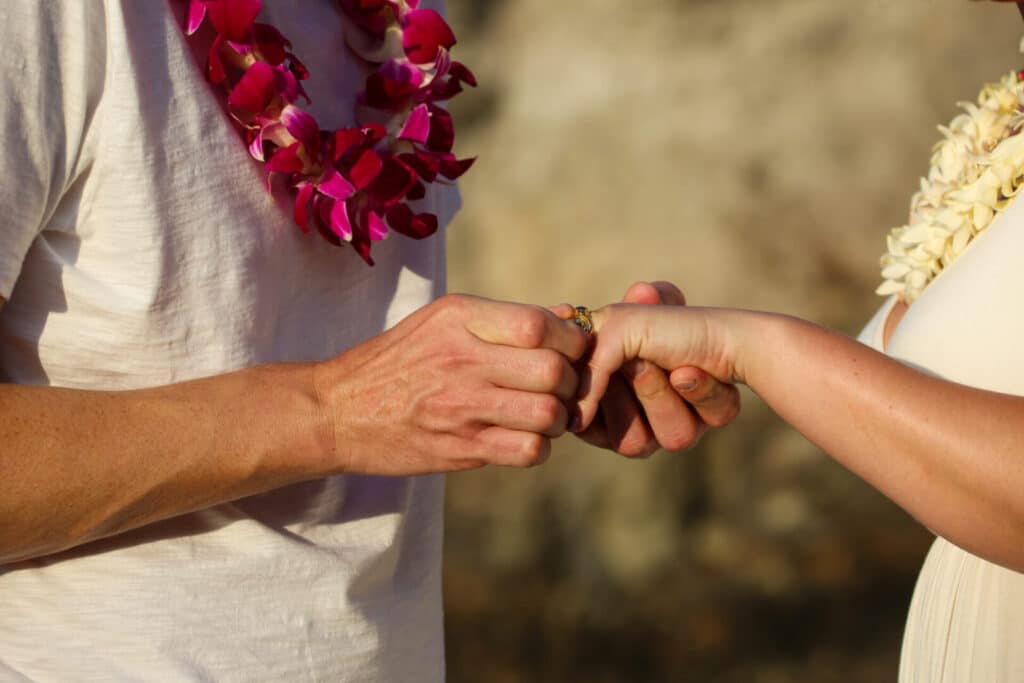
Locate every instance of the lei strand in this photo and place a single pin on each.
(351, 184)
(976, 171)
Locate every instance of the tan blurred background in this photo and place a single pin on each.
(756, 152)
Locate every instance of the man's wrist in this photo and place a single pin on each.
(299, 441)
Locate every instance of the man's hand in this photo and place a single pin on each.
(461, 383)
(642, 411)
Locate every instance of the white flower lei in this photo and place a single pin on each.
(976, 170)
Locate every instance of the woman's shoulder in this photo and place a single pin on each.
(968, 324)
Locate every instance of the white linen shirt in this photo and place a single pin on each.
(139, 247)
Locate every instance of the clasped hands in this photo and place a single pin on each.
(466, 382)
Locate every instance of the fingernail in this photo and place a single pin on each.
(686, 387)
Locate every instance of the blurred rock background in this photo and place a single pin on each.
(756, 153)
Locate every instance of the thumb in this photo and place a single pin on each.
(659, 292)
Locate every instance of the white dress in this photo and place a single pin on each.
(966, 620)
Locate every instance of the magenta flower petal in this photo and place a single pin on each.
(367, 14)
(234, 19)
(340, 222)
(417, 126)
(442, 64)
(374, 132)
(365, 169)
(254, 91)
(401, 72)
(402, 220)
(423, 34)
(196, 14)
(391, 85)
(301, 213)
(272, 45)
(322, 219)
(300, 71)
(334, 185)
(462, 72)
(345, 139)
(255, 137)
(286, 160)
(450, 86)
(453, 168)
(215, 71)
(416, 192)
(425, 164)
(302, 126)
(376, 227)
(392, 183)
(287, 85)
(442, 130)
(362, 247)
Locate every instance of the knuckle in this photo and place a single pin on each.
(533, 450)
(443, 411)
(550, 412)
(452, 304)
(531, 328)
(724, 415)
(637, 445)
(552, 368)
(681, 440)
(449, 358)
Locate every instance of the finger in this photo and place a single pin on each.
(563, 311)
(717, 404)
(524, 327)
(672, 422)
(671, 295)
(607, 357)
(522, 411)
(660, 334)
(625, 427)
(512, 448)
(659, 292)
(596, 434)
(535, 370)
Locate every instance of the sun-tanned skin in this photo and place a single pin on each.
(462, 383)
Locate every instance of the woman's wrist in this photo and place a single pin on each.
(749, 340)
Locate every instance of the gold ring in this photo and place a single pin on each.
(581, 316)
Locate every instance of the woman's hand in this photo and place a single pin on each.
(641, 411)
(690, 340)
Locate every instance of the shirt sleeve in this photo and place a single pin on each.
(51, 81)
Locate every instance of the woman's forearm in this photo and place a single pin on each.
(951, 455)
(81, 465)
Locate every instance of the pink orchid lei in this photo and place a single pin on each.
(351, 184)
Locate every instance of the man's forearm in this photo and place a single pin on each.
(81, 465)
